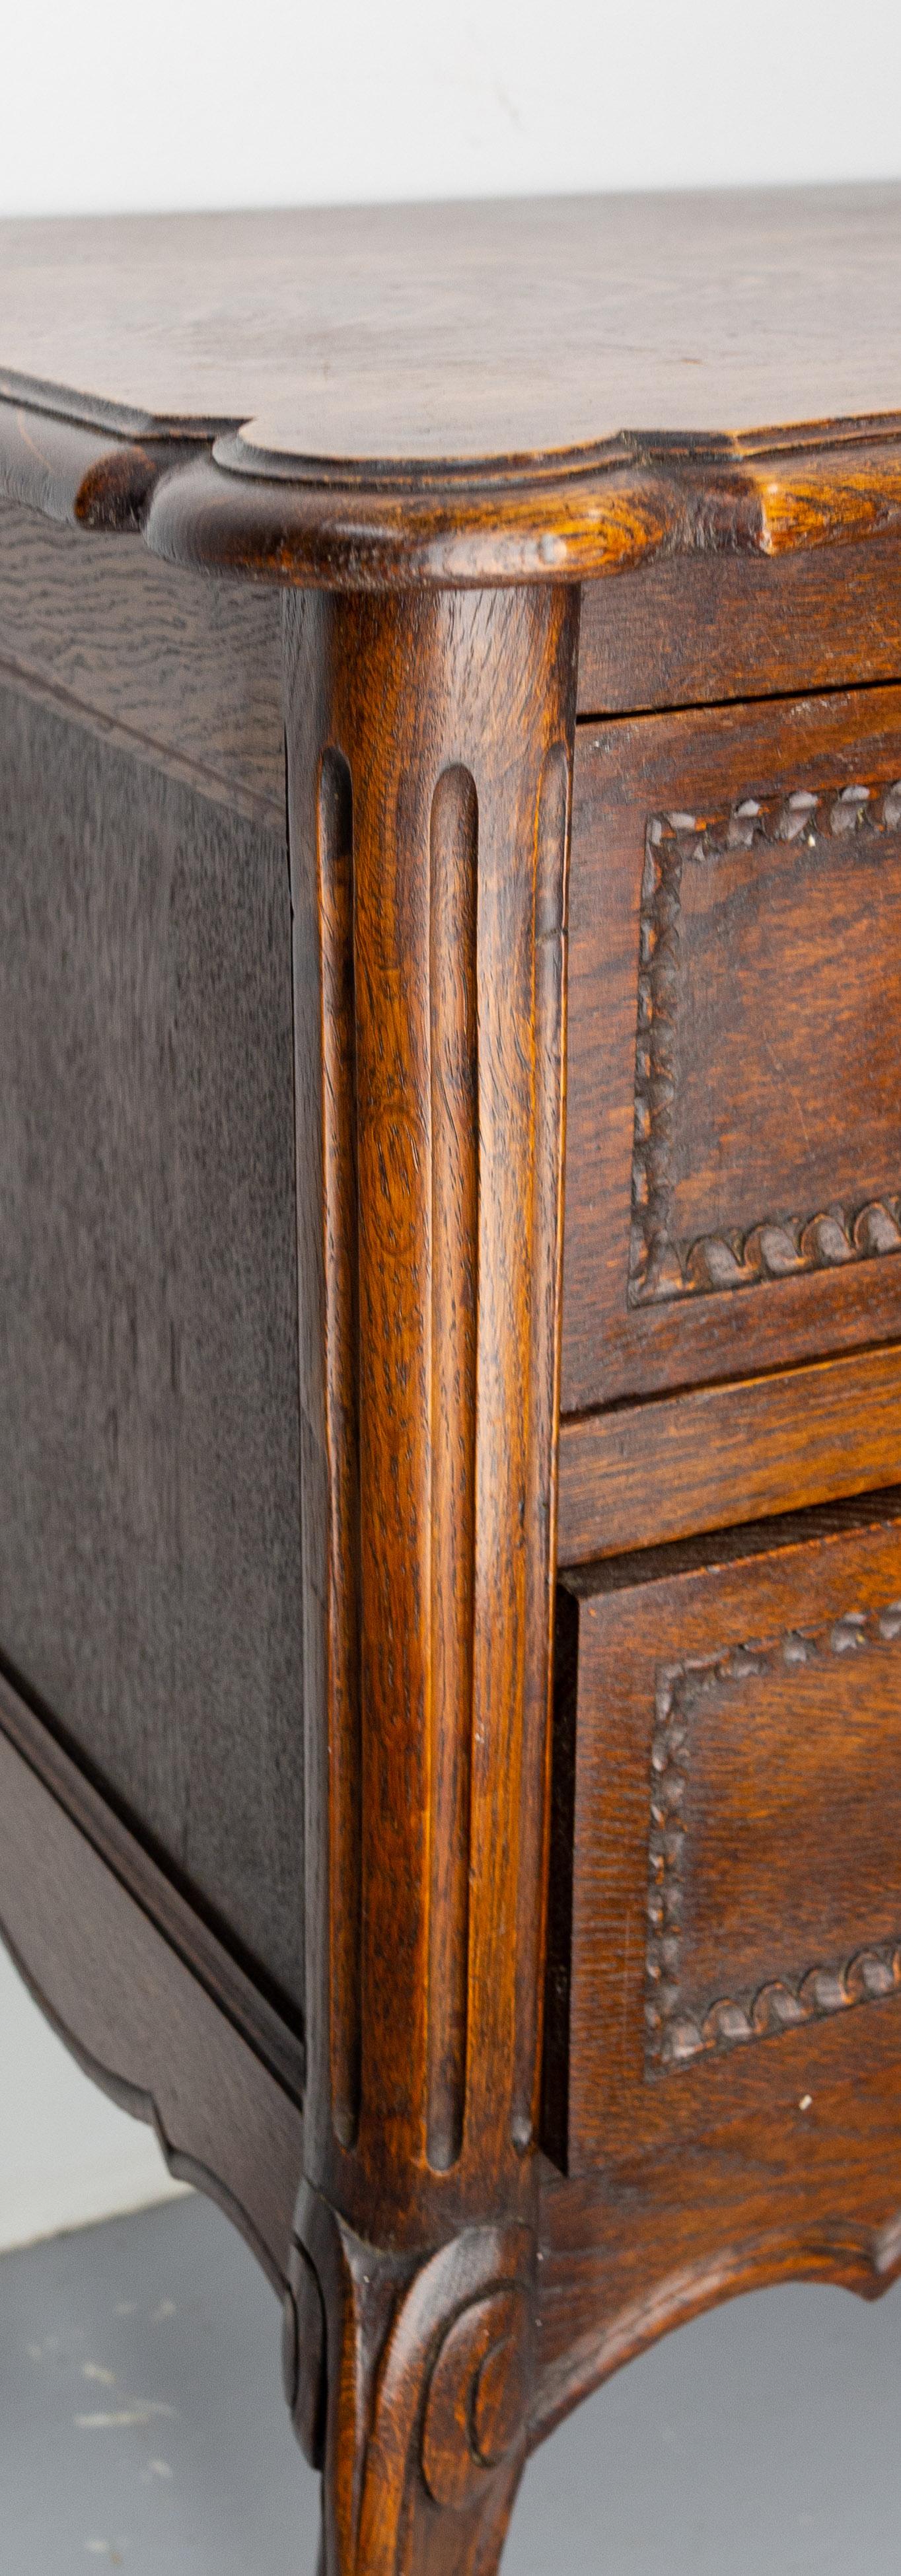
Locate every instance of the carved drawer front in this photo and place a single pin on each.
(734, 1140)
(725, 1918)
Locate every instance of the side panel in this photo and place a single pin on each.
(149, 1533)
(192, 667)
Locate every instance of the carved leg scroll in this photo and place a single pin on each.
(420, 2416)
(429, 743)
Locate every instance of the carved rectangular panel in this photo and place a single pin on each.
(734, 1120)
(726, 1877)
(768, 1049)
(736, 1762)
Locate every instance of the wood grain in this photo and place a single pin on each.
(381, 418)
(587, 521)
(746, 1741)
(391, 333)
(187, 670)
(806, 2195)
(771, 1836)
(774, 1156)
(433, 1149)
(776, 1069)
(277, 1757)
(440, 2356)
(178, 1917)
(642, 1474)
(695, 629)
(77, 475)
(149, 1545)
(428, 850)
(140, 2021)
(512, 522)
(752, 2162)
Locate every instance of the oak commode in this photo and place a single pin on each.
(450, 1304)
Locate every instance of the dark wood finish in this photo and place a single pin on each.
(680, 314)
(733, 1050)
(595, 518)
(184, 670)
(150, 1559)
(79, 475)
(193, 666)
(594, 2006)
(730, 2000)
(689, 632)
(642, 1473)
(703, 392)
(154, 1890)
(428, 849)
(729, 1865)
(137, 2017)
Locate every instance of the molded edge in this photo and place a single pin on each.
(506, 521)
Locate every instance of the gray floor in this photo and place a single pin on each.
(142, 2427)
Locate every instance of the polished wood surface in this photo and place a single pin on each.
(576, 523)
(734, 1887)
(378, 413)
(429, 1023)
(696, 630)
(451, 1178)
(197, 505)
(636, 1475)
(733, 1042)
(446, 333)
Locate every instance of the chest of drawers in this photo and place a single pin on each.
(450, 1293)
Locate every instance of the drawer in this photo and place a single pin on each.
(694, 630)
(733, 1161)
(643, 1474)
(725, 1914)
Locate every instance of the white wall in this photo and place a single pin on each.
(207, 102)
(67, 2156)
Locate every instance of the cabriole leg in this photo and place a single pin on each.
(429, 761)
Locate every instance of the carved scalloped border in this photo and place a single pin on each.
(660, 1268)
(674, 2036)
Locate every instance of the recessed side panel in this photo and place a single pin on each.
(189, 668)
(149, 1424)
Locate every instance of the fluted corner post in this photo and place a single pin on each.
(429, 765)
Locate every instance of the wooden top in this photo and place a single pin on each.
(460, 332)
(438, 351)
